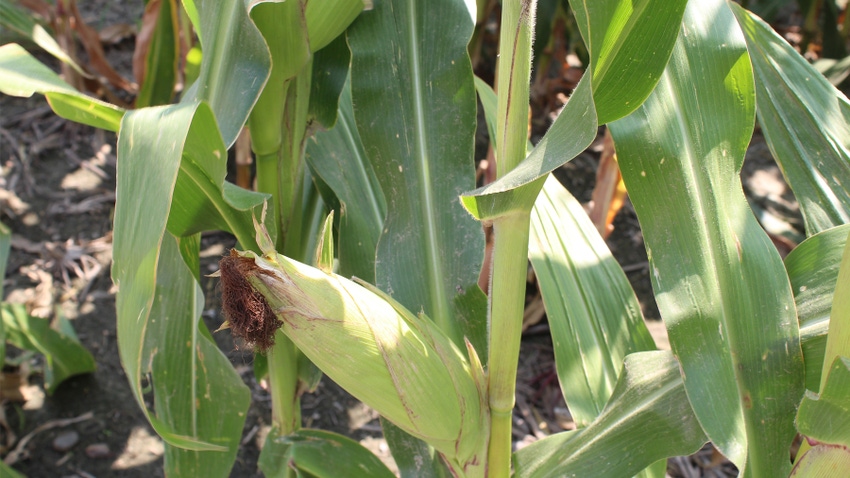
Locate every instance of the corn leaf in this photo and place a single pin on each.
(200, 400)
(822, 462)
(413, 55)
(593, 313)
(719, 282)
(161, 49)
(63, 353)
(648, 401)
(813, 270)
(22, 75)
(9, 472)
(320, 454)
(235, 64)
(825, 417)
(330, 74)
(629, 43)
(23, 23)
(338, 158)
(804, 119)
(619, 34)
(327, 20)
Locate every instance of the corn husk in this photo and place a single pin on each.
(400, 364)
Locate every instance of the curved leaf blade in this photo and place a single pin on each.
(805, 123)
(629, 42)
(648, 401)
(593, 313)
(720, 284)
(22, 75)
(573, 131)
(159, 300)
(63, 353)
(319, 454)
(235, 64)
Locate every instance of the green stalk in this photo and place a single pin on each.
(277, 126)
(510, 233)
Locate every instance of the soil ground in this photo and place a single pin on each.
(57, 193)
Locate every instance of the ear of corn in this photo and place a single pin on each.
(400, 364)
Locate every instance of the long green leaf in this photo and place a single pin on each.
(62, 351)
(235, 63)
(647, 419)
(22, 75)
(632, 41)
(163, 55)
(719, 282)
(413, 55)
(813, 270)
(22, 22)
(593, 313)
(804, 119)
(159, 299)
(629, 42)
(337, 157)
(320, 454)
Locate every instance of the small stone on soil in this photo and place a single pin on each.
(65, 441)
(98, 450)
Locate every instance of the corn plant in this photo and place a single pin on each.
(373, 114)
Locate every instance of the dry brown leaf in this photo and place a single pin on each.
(90, 39)
(115, 34)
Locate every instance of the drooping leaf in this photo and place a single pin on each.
(813, 270)
(413, 56)
(197, 393)
(327, 20)
(804, 119)
(22, 75)
(320, 454)
(63, 353)
(337, 157)
(618, 33)
(235, 63)
(573, 131)
(629, 44)
(18, 20)
(203, 199)
(647, 419)
(593, 313)
(159, 301)
(719, 282)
